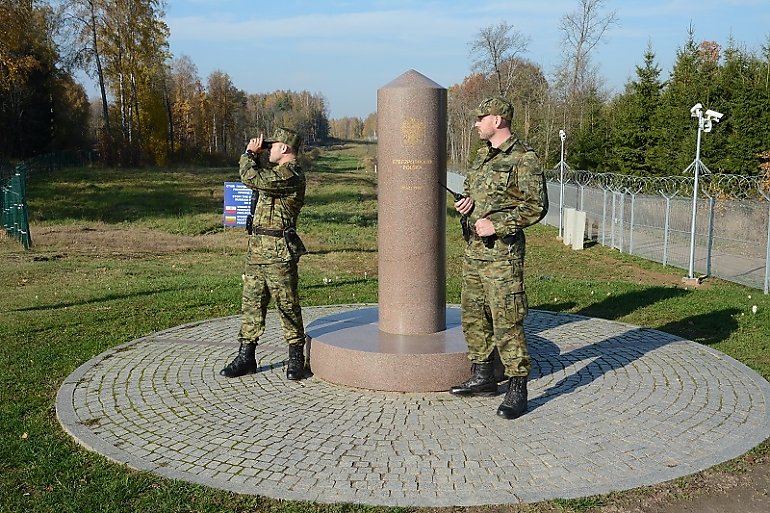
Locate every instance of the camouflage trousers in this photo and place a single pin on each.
(494, 305)
(260, 283)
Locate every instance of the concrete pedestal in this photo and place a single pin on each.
(350, 349)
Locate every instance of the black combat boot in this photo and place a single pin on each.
(244, 363)
(295, 369)
(482, 382)
(515, 403)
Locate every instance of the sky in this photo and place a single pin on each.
(345, 50)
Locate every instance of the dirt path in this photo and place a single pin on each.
(708, 492)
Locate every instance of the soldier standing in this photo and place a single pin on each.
(274, 250)
(505, 192)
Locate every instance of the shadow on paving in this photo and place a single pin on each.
(619, 351)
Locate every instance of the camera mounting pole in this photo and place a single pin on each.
(705, 123)
(562, 136)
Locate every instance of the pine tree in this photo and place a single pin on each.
(633, 137)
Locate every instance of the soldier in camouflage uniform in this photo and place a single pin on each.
(274, 250)
(505, 192)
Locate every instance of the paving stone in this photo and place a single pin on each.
(612, 407)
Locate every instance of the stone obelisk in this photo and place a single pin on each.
(411, 205)
(410, 342)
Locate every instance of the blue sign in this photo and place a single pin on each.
(237, 204)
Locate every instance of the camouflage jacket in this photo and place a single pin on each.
(507, 187)
(281, 191)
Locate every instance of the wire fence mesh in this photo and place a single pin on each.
(651, 217)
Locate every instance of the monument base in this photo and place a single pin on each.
(349, 349)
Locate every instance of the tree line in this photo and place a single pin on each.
(647, 129)
(153, 108)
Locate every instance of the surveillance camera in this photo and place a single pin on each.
(712, 114)
(562, 135)
(696, 110)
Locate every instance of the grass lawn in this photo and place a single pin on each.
(121, 253)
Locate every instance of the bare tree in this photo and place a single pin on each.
(581, 31)
(577, 79)
(495, 46)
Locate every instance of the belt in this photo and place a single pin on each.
(268, 231)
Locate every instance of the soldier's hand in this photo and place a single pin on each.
(484, 227)
(255, 144)
(464, 206)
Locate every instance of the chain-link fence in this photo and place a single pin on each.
(651, 217)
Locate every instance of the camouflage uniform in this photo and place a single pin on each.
(508, 188)
(271, 269)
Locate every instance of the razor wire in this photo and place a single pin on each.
(717, 185)
(646, 216)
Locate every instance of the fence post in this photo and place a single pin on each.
(710, 239)
(6, 214)
(604, 217)
(665, 230)
(767, 255)
(622, 221)
(631, 227)
(26, 236)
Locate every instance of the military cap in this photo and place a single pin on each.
(496, 106)
(286, 136)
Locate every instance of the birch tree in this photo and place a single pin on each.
(495, 51)
(582, 30)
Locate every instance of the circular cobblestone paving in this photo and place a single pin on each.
(612, 407)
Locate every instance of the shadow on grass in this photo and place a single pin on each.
(341, 250)
(122, 202)
(337, 283)
(103, 299)
(616, 306)
(708, 329)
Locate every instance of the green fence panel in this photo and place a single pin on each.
(15, 216)
(13, 182)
